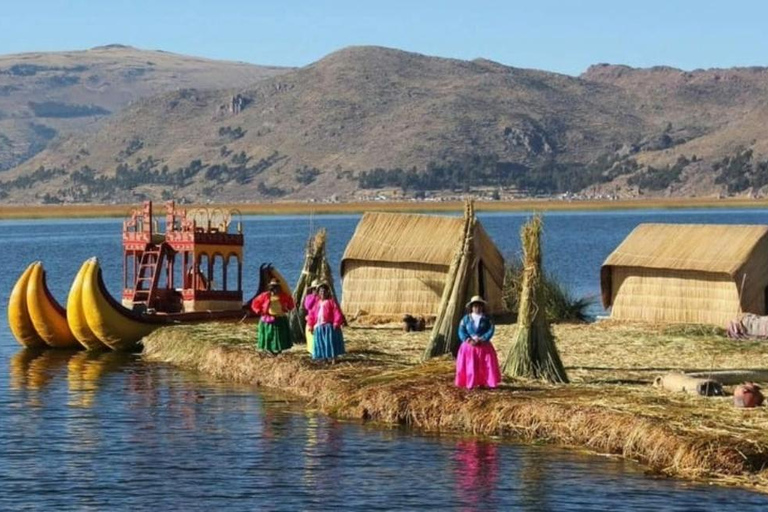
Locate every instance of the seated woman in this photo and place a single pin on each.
(309, 302)
(325, 321)
(476, 363)
(272, 306)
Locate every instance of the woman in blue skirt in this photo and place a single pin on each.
(325, 320)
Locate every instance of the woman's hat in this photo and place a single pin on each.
(273, 282)
(315, 283)
(320, 284)
(476, 299)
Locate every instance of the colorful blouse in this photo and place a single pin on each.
(263, 303)
(325, 312)
(309, 301)
(483, 330)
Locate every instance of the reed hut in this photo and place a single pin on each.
(687, 273)
(398, 264)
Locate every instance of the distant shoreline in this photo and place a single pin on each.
(8, 212)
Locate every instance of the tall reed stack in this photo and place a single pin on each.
(533, 354)
(444, 338)
(315, 267)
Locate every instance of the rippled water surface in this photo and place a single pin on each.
(108, 432)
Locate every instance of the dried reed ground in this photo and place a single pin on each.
(610, 407)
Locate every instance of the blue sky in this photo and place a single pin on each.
(562, 36)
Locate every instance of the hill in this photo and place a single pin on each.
(43, 95)
(366, 118)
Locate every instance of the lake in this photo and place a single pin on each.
(110, 432)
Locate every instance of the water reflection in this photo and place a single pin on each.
(86, 369)
(534, 485)
(476, 472)
(31, 371)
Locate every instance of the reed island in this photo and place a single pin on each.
(609, 407)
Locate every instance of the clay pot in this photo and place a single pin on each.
(747, 395)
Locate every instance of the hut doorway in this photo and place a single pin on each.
(765, 301)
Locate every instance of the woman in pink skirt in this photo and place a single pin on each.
(476, 363)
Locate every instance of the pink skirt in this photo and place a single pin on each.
(477, 366)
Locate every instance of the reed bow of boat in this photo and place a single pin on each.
(114, 325)
(76, 313)
(19, 320)
(48, 317)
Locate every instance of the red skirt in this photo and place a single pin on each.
(477, 366)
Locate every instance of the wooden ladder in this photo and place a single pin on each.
(148, 274)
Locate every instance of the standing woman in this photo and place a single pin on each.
(273, 306)
(309, 302)
(476, 363)
(325, 320)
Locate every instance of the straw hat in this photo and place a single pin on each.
(315, 283)
(273, 282)
(476, 299)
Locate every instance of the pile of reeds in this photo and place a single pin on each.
(444, 338)
(533, 353)
(315, 267)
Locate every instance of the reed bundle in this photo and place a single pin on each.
(533, 353)
(444, 338)
(315, 267)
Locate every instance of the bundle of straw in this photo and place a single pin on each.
(444, 337)
(315, 267)
(533, 354)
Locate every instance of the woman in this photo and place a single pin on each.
(273, 306)
(325, 320)
(309, 302)
(476, 363)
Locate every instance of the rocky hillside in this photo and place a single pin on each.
(366, 118)
(43, 95)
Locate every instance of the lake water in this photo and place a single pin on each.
(110, 432)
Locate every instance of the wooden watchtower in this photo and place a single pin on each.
(195, 265)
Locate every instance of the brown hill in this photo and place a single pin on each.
(45, 94)
(425, 122)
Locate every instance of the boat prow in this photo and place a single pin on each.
(48, 317)
(76, 314)
(114, 325)
(18, 314)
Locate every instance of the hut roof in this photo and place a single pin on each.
(715, 248)
(410, 238)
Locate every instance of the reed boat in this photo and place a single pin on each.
(36, 319)
(181, 275)
(76, 313)
(18, 314)
(48, 317)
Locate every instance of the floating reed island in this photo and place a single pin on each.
(609, 407)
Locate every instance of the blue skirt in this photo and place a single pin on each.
(329, 342)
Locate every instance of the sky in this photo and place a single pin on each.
(561, 36)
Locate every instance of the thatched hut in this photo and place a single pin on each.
(687, 273)
(398, 264)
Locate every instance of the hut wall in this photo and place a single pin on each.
(752, 279)
(673, 296)
(392, 289)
